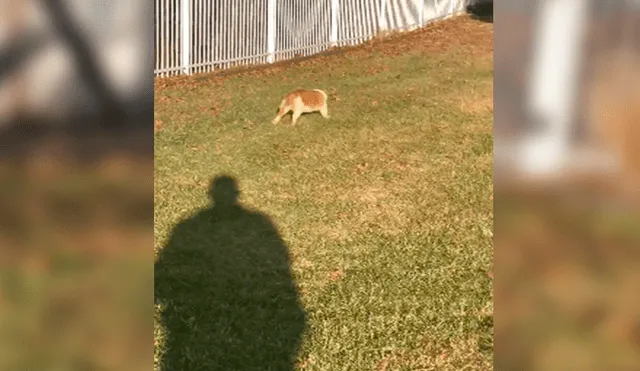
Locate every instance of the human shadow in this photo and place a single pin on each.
(225, 291)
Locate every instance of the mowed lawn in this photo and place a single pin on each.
(363, 242)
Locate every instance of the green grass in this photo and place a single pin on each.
(363, 242)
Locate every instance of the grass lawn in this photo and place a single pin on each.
(361, 242)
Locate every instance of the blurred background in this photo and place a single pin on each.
(566, 183)
(76, 189)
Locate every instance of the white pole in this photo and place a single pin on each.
(185, 21)
(421, 13)
(557, 55)
(335, 8)
(271, 31)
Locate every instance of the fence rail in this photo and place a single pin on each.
(195, 36)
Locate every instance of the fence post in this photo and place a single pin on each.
(382, 19)
(335, 8)
(421, 13)
(271, 31)
(185, 28)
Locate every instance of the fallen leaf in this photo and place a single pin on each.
(336, 275)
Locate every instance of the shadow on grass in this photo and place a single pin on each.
(226, 292)
(481, 10)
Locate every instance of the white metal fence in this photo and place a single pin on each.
(193, 36)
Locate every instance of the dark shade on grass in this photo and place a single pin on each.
(481, 10)
(225, 288)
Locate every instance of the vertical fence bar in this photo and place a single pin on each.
(222, 21)
(248, 41)
(215, 35)
(554, 80)
(365, 20)
(206, 45)
(271, 31)
(193, 33)
(421, 12)
(290, 41)
(238, 23)
(163, 35)
(201, 35)
(227, 25)
(233, 27)
(185, 24)
(313, 30)
(362, 26)
(382, 22)
(172, 17)
(251, 26)
(361, 23)
(156, 31)
(302, 42)
(298, 29)
(343, 31)
(243, 36)
(225, 33)
(175, 31)
(208, 29)
(297, 41)
(172, 35)
(219, 36)
(371, 19)
(265, 41)
(161, 39)
(285, 40)
(348, 22)
(335, 9)
(353, 23)
(197, 17)
(307, 32)
(258, 32)
(169, 30)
